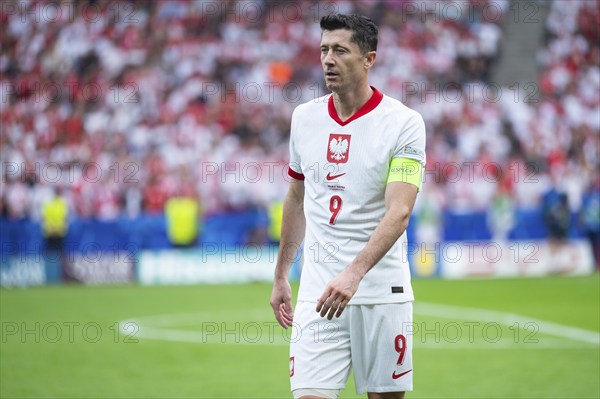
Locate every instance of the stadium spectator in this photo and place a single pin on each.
(183, 214)
(557, 214)
(590, 218)
(55, 213)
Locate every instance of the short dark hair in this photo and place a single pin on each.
(364, 30)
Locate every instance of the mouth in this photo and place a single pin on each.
(330, 74)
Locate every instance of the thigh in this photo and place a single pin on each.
(381, 346)
(319, 350)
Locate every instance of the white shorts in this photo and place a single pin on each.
(374, 340)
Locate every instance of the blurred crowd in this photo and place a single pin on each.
(120, 106)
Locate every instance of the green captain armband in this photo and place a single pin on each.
(406, 170)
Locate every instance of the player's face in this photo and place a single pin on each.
(342, 61)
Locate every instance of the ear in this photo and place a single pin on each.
(370, 59)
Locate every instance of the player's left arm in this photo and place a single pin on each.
(399, 201)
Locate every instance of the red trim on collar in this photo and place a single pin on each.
(369, 106)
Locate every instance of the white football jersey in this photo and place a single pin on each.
(345, 166)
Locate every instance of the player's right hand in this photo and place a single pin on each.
(281, 302)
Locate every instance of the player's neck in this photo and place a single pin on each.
(347, 103)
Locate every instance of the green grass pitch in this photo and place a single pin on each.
(513, 338)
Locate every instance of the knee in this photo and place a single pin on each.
(386, 395)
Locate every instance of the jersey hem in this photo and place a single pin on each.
(406, 297)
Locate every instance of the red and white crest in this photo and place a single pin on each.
(291, 366)
(338, 149)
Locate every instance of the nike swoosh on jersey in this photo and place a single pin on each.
(330, 177)
(396, 376)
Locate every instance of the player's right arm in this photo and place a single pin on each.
(292, 233)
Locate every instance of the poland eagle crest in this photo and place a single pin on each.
(339, 147)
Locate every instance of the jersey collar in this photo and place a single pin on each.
(369, 106)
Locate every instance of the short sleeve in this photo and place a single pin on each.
(411, 142)
(294, 169)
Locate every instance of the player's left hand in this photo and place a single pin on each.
(338, 293)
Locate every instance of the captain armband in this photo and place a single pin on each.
(406, 170)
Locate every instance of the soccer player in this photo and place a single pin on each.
(356, 159)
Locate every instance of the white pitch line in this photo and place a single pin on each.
(182, 336)
(153, 327)
(507, 319)
(190, 319)
(202, 338)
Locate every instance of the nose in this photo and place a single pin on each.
(328, 58)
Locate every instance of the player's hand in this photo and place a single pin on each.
(281, 302)
(338, 293)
